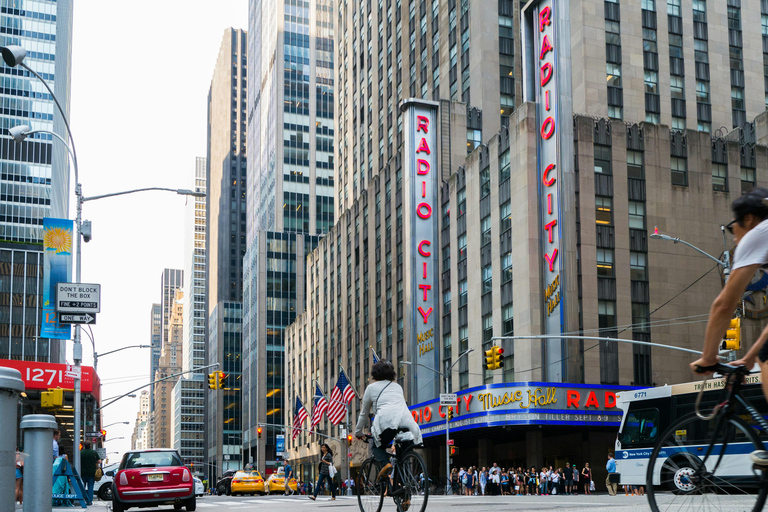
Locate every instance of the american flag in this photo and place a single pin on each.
(319, 407)
(375, 356)
(341, 395)
(299, 415)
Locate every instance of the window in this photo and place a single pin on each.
(474, 139)
(747, 180)
(504, 166)
(635, 165)
(702, 91)
(605, 263)
(487, 328)
(602, 159)
(485, 182)
(506, 268)
(676, 85)
(604, 210)
(700, 50)
(446, 302)
(720, 177)
(507, 321)
(463, 292)
(651, 82)
(485, 230)
(640, 317)
(446, 258)
(700, 11)
(613, 72)
(487, 272)
(461, 199)
(649, 5)
(463, 247)
(446, 214)
(764, 22)
(641, 427)
(673, 7)
(606, 311)
(649, 40)
(737, 98)
(506, 216)
(637, 266)
(679, 167)
(636, 215)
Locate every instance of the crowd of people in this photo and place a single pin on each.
(519, 481)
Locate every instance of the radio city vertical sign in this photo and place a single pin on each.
(544, 69)
(422, 178)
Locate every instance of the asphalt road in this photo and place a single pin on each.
(578, 503)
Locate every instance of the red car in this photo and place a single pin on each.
(150, 478)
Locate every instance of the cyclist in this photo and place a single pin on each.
(385, 400)
(750, 230)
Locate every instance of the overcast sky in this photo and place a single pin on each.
(140, 77)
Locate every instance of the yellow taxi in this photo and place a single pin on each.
(276, 482)
(247, 482)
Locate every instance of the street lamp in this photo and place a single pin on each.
(117, 423)
(132, 395)
(96, 356)
(113, 439)
(447, 428)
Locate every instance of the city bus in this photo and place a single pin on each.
(647, 413)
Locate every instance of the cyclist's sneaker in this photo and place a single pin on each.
(759, 457)
(385, 471)
(405, 505)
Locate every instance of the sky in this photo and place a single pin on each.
(141, 71)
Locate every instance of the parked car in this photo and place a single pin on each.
(247, 482)
(151, 478)
(223, 483)
(276, 482)
(199, 487)
(103, 488)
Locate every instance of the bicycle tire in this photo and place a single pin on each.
(685, 479)
(370, 492)
(411, 485)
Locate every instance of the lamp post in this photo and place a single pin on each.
(19, 134)
(447, 428)
(132, 395)
(117, 423)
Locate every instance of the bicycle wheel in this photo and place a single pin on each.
(411, 486)
(686, 473)
(370, 492)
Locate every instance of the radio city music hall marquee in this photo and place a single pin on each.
(422, 178)
(524, 403)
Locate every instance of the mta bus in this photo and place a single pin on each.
(647, 413)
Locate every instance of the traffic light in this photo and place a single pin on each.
(454, 451)
(349, 439)
(450, 414)
(494, 358)
(258, 431)
(222, 377)
(52, 398)
(213, 381)
(732, 339)
(103, 435)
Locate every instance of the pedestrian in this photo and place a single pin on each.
(575, 486)
(455, 482)
(610, 466)
(587, 474)
(543, 482)
(288, 472)
(470, 485)
(56, 437)
(463, 479)
(533, 488)
(483, 480)
(505, 481)
(350, 484)
(568, 478)
(326, 461)
(555, 479)
(19, 476)
(495, 478)
(521, 482)
(89, 463)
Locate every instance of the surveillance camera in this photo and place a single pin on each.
(85, 230)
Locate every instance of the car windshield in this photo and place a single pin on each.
(253, 473)
(152, 460)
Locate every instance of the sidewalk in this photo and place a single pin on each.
(98, 506)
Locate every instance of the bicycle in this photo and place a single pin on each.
(700, 458)
(407, 484)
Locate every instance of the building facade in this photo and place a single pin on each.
(641, 160)
(140, 435)
(291, 196)
(34, 182)
(195, 269)
(156, 344)
(170, 365)
(225, 228)
(224, 407)
(189, 421)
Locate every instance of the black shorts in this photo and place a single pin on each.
(763, 354)
(569, 483)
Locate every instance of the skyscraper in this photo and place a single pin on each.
(225, 239)
(170, 280)
(170, 364)
(34, 175)
(156, 344)
(291, 190)
(195, 269)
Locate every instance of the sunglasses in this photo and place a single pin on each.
(729, 226)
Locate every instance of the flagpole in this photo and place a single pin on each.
(349, 432)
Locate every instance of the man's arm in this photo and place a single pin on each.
(721, 312)
(749, 358)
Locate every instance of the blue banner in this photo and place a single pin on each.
(58, 240)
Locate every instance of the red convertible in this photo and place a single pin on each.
(150, 478)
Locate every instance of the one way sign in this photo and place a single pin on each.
(69, 318)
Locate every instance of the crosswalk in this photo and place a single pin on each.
(229, 503)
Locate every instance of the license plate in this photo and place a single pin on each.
(154, 478)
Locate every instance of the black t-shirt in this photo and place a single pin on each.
(88, 462)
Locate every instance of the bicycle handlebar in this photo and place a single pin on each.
(725, 369)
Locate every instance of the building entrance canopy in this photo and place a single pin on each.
(524, 403)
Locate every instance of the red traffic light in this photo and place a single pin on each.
(500, 350)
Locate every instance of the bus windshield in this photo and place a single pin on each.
(640, 427)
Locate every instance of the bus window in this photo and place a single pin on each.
(641, 427)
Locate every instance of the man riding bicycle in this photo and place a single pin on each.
(750, 230)
(385, 400)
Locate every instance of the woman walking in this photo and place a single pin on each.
(326, 462)
(483, 476)
(19, 476)
(532, 484)
(454, 481)
(587, 474)
(471, 481)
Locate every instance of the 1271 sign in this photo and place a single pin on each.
(78, 298)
